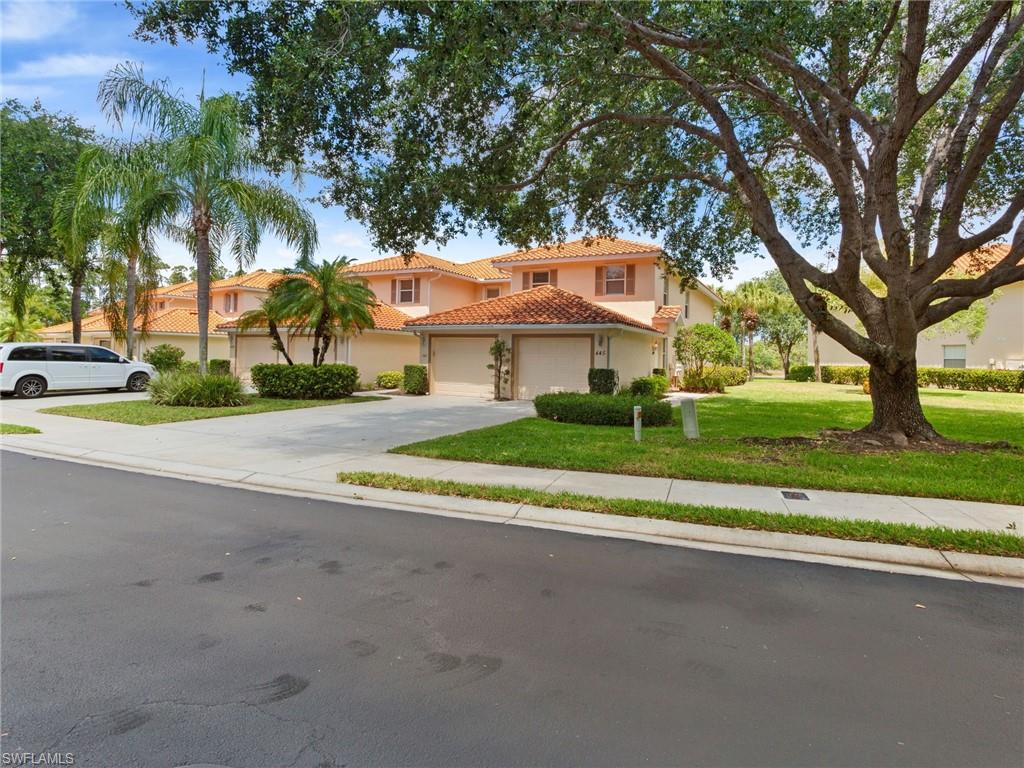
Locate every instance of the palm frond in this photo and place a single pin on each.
(125, 91)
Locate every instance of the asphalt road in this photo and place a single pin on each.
(345, 635)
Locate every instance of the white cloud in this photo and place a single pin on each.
(34, 20)
(66, 65)
(27, 92)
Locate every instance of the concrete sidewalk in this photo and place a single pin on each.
(314, 444)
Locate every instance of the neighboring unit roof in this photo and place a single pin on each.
(480, 269)
(983, 259)
(668, 312)
(175, 320)
(385, 318)
(260, 279)
(544, 305)
(598, 246)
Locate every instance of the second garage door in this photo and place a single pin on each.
(459, 366)
(551, 364)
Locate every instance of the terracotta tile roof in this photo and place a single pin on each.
(261, 279)
(481, 269)
(385, 318)
(668, 312)
(983, 259)
(600, 246)
(183, 289)
(544, 305)
(175, 320)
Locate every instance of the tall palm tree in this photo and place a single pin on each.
(326, 299)
(267, 316)
(77, 228)
(129, 184)
(208, 153)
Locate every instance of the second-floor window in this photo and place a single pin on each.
(405, 291)
(492, 292)
(615, 280)
(230, 302)
(540, 277)
(686, 305)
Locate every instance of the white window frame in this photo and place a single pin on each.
(535, 282)
(686, 304)
(946, 358)
(609, 281)
(401, 290)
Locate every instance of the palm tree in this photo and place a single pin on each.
(326, 299)
(128, 184)
(208, 154)
(267, 316)
(14, 328)
(77, 228)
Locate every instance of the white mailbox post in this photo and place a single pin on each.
(638, 418)
(689, 413)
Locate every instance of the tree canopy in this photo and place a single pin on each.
(890, 132)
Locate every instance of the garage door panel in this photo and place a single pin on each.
(551, 364)
(459, 366)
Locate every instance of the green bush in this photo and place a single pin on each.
(973, 379)
(602, 381)
(659, 372)
(191, 389)
(609, 410)
(303, 381)
(414, 380)
(164, 357)
(711, 380)
(732, 375)
(649, 386)
(389, 380)
(219, 366)
(188, 366)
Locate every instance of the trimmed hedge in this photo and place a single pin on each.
(389, 380)
(603, 381)
(715, 379)
(971, 379)
(649, 386)
(219, 366)
(191, 389)
(164, 357)
(303, 381)
(606, 410)
(414, 380)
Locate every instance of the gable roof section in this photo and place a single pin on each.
(587, 247)
(544, 305)
(481, 269)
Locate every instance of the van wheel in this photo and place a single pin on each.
(137, 382)
(30, 386)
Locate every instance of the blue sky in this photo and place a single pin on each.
(57, 52)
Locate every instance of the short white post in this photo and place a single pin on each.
(688, 410)
(638, 420)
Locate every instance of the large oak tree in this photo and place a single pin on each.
(888, 132)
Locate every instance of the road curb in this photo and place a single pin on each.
(871, 555)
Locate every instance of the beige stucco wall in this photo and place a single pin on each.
(630, 354)
(1000, 345)
(438, 292)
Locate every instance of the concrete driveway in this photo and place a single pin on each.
(313, 443)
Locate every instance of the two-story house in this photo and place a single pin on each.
(595, 303)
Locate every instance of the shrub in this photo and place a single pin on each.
(609, 410)
(649, 386)
(732, 375)
(389, 380)
(711, 380)
(191, 389)
(603, 381)
(659, 372)
(164, 357)
(703, 344)
(189, 366)
(303, 381)
(976, 379)
(414, 380)
(219, 366)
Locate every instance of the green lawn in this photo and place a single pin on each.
(17, 429)
(774, 408)
(978, 542)
(143, 412)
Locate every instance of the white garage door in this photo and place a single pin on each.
(459, 366)
(551, 364)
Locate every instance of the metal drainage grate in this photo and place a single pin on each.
(797, 495)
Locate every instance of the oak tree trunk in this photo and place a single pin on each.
(129, 309)
(816, 353)
(896, 406)
(76, 312)
(750, 355)
(203, 293)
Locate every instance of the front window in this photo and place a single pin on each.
(686, 305)
(492, 293)
(615, 279)
(540, 278)
(104, 356)
(406, 291)
(954, 356)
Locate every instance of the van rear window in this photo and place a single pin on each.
(27, 353)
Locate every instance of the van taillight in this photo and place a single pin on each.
(1, 367)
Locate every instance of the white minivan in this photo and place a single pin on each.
(28, 369)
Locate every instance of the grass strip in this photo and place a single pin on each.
(144, 413)
(948, 539)
(17, 429)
